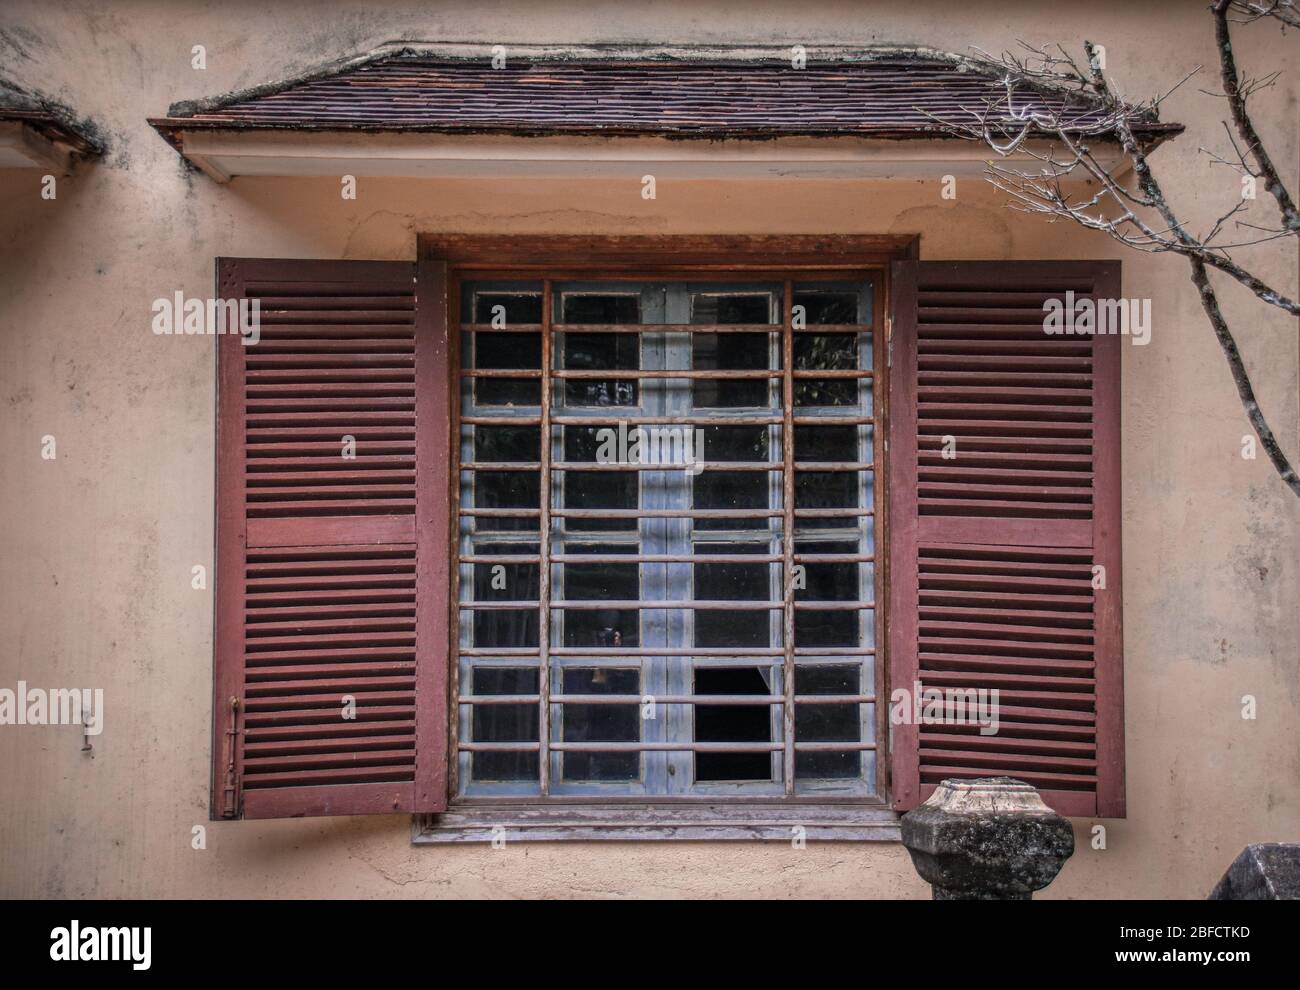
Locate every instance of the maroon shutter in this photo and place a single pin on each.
(331, 570)
(992, 551)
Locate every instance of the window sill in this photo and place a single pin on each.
(655, 823)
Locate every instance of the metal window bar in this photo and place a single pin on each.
(788, 656)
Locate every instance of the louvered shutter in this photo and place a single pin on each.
(993, 547)
(332, 538)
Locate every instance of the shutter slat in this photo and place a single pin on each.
(1004, 503)
(994, 663)
(327, 720)
(327, 656)
(365, 668)
(315, 735)
(322, 633)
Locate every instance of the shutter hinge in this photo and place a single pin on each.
(230, 806)
(889, 341)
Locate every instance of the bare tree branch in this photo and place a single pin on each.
(1044, 96)
(1006, 123)
(1210, 303)
(1253, 10)
(1246, 127)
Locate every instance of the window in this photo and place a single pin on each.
(643, 633)
(674, 600)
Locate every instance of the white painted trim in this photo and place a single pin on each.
(224, 154)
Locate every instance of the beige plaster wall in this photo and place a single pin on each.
(97, 546)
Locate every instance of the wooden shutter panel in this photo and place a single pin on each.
(331, 570)
(992, 551)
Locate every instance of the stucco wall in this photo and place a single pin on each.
(97, 545)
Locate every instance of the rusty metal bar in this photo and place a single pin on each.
(810, 654)
(691, 420)
(602, 374)
(508, 328)
(665, 747)
(725, 604)
(672, 513)
(668, 747)
(774, 419)
(741, 700)
(544, 554)
(665, 328)
(787, 531)
(747, 466)
(832, 513)
(501, 420)
(832, 373)
(501, 466)
(667, 558)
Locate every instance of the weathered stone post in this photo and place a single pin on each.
(989, 839)
(1266, 871)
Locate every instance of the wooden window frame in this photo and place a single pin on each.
(466, 256)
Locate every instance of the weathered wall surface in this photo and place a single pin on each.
(97, 545)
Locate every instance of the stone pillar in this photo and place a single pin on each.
(1269, 871)
(990, 839)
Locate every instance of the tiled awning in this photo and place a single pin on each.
(36, 132)
(882, 97)
(867, 96)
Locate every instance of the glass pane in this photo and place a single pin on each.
(730, 490)
(730, 308)
(507, 443)
(826, 352)
(502, 309)
(835, 301)
(736, 443)
(721, 489)
(595, 489)
(826, 443)
(601, 308)
(826, 489)
(598, 627)
(505, 490)
(504, 723)
(732, 582)
(505, 627)
(600, 351)
(496, 351)
(829, 305)
(601, 723)
(828, 582)
(828, 722)
(732, 352)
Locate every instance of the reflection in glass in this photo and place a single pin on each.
(504, 723)
(601, 723)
